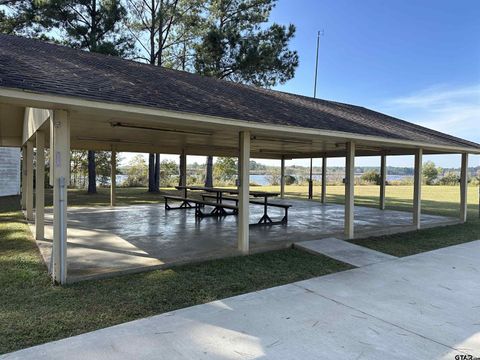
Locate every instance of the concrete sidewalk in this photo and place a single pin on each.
(344, 251)
(425, 306)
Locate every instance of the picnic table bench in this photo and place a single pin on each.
(264, 220)
(220, 207)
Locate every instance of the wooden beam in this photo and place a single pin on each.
(61, 162)
(464, 189)
(350, 191)
(40, 187)
(417, 189)
(244, 190)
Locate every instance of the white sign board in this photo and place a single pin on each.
(9, 171)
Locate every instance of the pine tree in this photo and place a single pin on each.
(238, 48)
(159, 27)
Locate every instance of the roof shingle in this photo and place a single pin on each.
(52, 69)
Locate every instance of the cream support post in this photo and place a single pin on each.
(464, 189)
(282, 178)
(243, 195)
(324, 179)
(24, 178)
(29, 163)
(113, 177)
(383, 180)
(61, 162)
(350, 191)
(417, 189)
(40, 187)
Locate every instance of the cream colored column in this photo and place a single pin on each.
(417, 189)
(282, 177)
(40, 187)
(383, 180)
(324, 179)
(61, 162)
(464, 189)
(113, 178)
(350, 191)
(24, 178)
(29, 203)
(244, 192)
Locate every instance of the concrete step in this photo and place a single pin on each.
(344, 251)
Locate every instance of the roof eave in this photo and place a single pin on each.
(54, 101)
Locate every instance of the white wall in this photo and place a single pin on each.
(9, 171)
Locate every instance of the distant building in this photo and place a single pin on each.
(9, 171)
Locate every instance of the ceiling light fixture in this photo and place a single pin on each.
(140, 127)
(282, 140)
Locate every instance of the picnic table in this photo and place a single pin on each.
(265, 219)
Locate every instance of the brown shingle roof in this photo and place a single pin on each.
(52, 69)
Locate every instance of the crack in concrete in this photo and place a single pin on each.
(380, 319)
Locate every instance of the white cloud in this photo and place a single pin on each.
(439, 95)
(452, 110)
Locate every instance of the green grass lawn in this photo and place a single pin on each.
(436, 200)
(32, 311)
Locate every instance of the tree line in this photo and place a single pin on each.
(225, 39)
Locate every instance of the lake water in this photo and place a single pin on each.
(263, 179)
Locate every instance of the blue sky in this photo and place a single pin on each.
(418, 60)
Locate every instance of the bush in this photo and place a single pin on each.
(169, 173)
(290, 180)
(371, 177)
(273, 177)
(450, 178)
(137, 173)
(430, 172)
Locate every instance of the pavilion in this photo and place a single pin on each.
(62, 99)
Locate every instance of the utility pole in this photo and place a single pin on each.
(319, 33)
(310, 181)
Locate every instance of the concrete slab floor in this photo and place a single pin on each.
(425, 306)
(344, 251)
(102, 240)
